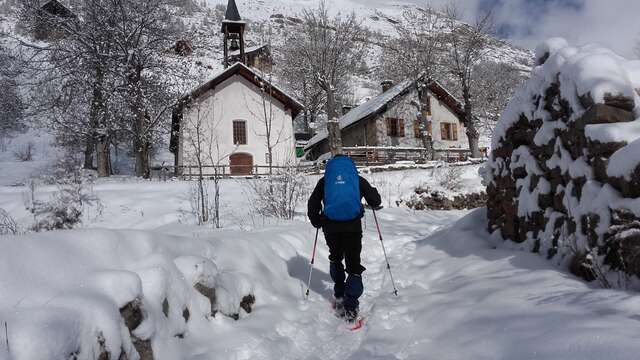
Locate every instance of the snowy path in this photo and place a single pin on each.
(459, 299)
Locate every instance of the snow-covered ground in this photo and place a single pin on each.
(461, 295)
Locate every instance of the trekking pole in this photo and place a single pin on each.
(313, 256)
(395, 290)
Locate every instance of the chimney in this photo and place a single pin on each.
(346, 109)
(386, 85)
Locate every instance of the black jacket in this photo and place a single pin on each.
(314, 208)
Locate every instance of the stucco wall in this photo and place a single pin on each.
(440, 113)
(235, 99)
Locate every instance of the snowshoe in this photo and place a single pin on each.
(351, 315)
(338, 308)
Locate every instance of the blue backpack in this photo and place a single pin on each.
(342, 190)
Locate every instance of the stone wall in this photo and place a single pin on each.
(549, 181)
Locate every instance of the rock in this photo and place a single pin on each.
(620, 102)
(543, 59)
(586, 100)
(144, 349)
(186, 314)
(603, 114)
(247, 303)
(132, 314)
(435, 200)
(580, 266)
(622, 243)
(209, 293)
(165, 307)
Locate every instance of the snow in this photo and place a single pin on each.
(550, 46)
(15, 172)
(617, 132)
(624, 161)
(587, 70)
(458, 295)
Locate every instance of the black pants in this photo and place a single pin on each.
(346, 246)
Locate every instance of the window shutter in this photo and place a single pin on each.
(428, 105)
(400, 127)
(444, 133)
(389, 127)
(430, 128)
(454, 129)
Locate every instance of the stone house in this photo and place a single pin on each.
(390, 119)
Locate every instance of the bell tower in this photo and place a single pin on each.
(233, 34)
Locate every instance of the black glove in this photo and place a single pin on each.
(317, 221)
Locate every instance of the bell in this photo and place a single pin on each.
(234, 45)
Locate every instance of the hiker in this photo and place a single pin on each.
(341, 191)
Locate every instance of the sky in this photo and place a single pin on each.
(612, 23)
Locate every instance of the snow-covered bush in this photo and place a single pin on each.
(65, 208)
(25, 153)
(564, 176)
(8, 225)
(279, 195)
(450, 177)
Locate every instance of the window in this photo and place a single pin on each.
(395, 127)
(449, 131)
(240, 132)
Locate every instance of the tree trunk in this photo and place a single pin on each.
(427, 142)
(142, 143)
(88, 153)
(333, 126)
(423, 120)
(100, 140)
(102, 147)
(472, 132)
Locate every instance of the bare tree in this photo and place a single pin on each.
(75, 70)
(11, 104)
(417, 48)
(297, 78)
(468, 45)
(202, 136)
(330, 50)
(415, 53)
(497, 83)
(144, 29)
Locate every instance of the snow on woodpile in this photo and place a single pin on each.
(564, 175)
(112, 294)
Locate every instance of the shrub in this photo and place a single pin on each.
(25, 153)
(8, 225)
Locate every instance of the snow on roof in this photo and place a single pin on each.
(235, 68)
(248, 50)
(370, 107)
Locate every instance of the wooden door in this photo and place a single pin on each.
(241, 164)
